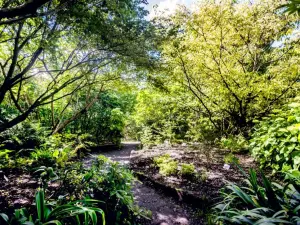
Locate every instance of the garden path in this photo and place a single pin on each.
(165, 209)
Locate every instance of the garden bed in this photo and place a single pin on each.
(210, 174)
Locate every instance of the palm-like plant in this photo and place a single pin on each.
(78, 212)
(259, 203)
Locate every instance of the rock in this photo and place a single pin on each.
(226, 166)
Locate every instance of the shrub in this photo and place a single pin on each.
(166, 165)
(234, 143)
(169, 168)
(187, 169)
(83, 212)
(161, 159)
(83, 144)
(231, 158)
(23, 136)
(259, 203)
(105, 181)
(276, 140)
(43, 157)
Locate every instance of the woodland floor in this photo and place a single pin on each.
(166, 210)
(172, 200)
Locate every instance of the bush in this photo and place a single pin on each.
(276, 140)
(259, 203)
(43, 157)
(161, 159)
(235, 143)
(187, 169)
(168, 168)
(83, 212)
(166, 165)
(22, 136)
(105, 181)
(231, 159)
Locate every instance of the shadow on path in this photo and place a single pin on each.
(165, 210)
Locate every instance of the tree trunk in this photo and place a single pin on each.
(62, 125)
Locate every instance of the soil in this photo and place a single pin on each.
(211, 172)
(17, 189)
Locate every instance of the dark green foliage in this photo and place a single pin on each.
(105, 121)
(106, 181)
(259, 201)
(23, 136)
(275, 140)
(77, 212)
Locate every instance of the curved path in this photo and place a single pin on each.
(165, 210)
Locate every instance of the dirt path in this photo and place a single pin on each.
(165, 209)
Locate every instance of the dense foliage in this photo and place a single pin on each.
(74, 212)
(275, 141)
(224, 54)
(259, 202)
(102, 192)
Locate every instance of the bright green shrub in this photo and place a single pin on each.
(187, 169)
(43, 157)
(169, 168)
(231, 158)
(161, 159)
(275, 141)
(258, 202)
(234, 143)
(166, 165)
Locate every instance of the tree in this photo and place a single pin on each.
(226, 54)
(68, 49)
(14, 11)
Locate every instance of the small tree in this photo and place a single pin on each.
(237, 59)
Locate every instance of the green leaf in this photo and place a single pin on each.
(40, 204)
(4, 217)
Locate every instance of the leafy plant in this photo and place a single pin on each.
(46, 174)
(231, 158)
(259, 202)
(43, 157)
(187, 169)
(166, 165)
(275, 140)
(4, 156)
(161, 159)
(106, 181)
(234, 143)
(169, 168)
(78, 212)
